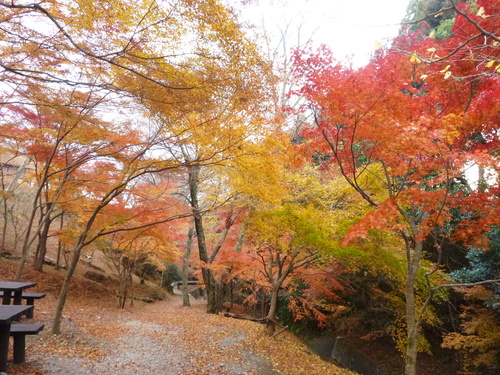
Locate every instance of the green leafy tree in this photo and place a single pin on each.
(484, 265)
(170, 275)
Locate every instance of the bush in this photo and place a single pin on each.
(96, 276)
(171, 275)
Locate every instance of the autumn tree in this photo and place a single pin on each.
(285, 239)
(478, 336)
(209, 129)
(416, 130)
(287, 229)
(100, 218)
(60, 70)
(209, 250)
(185, 267)
(59, 135)
(354, 289)
(435, 13)
(13, 192)
(467, 40)
(129, 249)
(126, 252)
(202, 90)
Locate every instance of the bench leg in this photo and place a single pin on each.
(6, 297)
(18, 298)
(19, 348)
(4, 346)
(30, 301)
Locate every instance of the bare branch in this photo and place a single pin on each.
(467, 285)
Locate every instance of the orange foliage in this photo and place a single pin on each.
(479, 337)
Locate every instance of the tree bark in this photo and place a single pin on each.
(213, 288)
(81, 243)
(41, 249)
(132, 290)
(231, 294)
(56, 326)
(44, 216)
(27, 242)
(214, 292)
(273, 307)
(412, 320)
(60, 246)
(185, 267)
(4, 212)
(4, 226)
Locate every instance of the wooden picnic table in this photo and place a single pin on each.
(8, 313)
(13, 289)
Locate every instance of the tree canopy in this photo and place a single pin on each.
(138, 123)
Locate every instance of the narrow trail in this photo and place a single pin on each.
(164, 338)
(161, 338)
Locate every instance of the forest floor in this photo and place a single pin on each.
(151, 338)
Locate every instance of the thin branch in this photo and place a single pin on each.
(104, 58)
(466, 285)
(476, 25)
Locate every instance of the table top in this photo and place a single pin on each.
(9, 312)
(14, 285)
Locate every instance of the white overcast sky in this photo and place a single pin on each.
(349, 27)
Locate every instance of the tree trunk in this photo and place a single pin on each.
(26, 243)
(56, 326)
(132, 291)
(213, 288)
(273, 307)
(412, 321)
(4, 213)
(60, 249)
(263, 307)
(412, 329)
(122, 298)
(185, 267)
(41, 249)
(231, 294)
(214, 292)
(4, 226)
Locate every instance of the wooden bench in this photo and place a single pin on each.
(30, 300)
(19, 333)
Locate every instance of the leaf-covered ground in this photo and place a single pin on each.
(157, 338)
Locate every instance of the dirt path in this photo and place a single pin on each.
(165, 338)
(160, 338)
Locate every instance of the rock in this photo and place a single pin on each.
(96, 276)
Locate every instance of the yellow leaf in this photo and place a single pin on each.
(480, 12)
(447, 75)
(433, 36)
(439, 14)
(497, 69)
(445, 69)
(423, 77)
(495, 43)
(414, 58)
(490, 64)
(431, 49)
